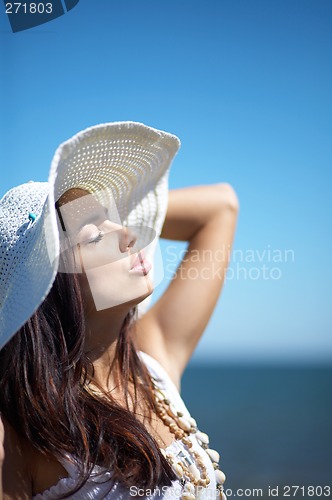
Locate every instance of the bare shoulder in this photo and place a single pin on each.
(26, 471)
(17, 481)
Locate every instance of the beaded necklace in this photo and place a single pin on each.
(190, 469)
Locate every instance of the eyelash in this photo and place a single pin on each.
(98, 238)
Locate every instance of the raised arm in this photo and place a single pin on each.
(205, 216)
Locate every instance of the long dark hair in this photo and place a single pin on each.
(43, 395)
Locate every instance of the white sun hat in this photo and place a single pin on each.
(128, 161)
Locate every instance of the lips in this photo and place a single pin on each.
(138, 260)
(140, 265)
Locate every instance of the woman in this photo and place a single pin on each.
(89, 389)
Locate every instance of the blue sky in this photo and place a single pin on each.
(246, 85)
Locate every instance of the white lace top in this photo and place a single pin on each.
(97, 487)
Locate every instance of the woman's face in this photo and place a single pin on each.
(105, 252)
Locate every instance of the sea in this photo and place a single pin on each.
(271, 424)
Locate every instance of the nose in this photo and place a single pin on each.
(127, 239)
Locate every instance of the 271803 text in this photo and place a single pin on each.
(29, 8)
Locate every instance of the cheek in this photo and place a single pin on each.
(101, 254)
(107, 285)
(98, 288)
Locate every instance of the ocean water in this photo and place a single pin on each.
(272, 426)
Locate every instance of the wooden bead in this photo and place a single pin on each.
(187, 442)
(191, 477)
(172, 411)
(187, 496)
(190, 488)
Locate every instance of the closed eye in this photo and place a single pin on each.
(97, 238)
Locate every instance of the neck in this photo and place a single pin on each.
(103, 331)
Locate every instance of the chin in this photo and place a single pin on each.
(119, 293)
(137, 300)
(126, 304)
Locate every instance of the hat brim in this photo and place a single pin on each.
(129, 160)
(33, 266)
